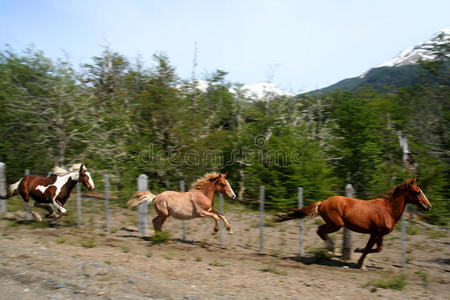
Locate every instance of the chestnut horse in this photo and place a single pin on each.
(197, 202)
(376, 217)
(54, 189)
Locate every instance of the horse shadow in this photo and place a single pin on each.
(133, 233)
(45, 223)
(329, 262)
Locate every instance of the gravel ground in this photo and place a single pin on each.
(60, 261)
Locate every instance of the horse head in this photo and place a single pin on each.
(222, 185)
(85, 178)
(414, 195)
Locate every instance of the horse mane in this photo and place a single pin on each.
(61, 171)
(201, 182)
(396, 190)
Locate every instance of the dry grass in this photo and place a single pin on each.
(396, 282)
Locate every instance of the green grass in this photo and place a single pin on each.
(424, 275)
(88, 242)
(160, 237)
(271, 268)
(319, 221)
(412, 230)
(320, 253)
(168, 257)
(219, 264)
(61, 240)
(268, 222)
(395, 282)
(12, 223)
(437, 234)
(36, 224)
(107, 262)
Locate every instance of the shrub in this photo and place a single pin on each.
(160, 237)
(390, 282)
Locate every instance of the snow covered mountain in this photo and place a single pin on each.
(261, 89)
(420, 51)
(400, 71)
(258, 90)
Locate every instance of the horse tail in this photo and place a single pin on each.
(311, 210)
(140, 197)
(12, 189)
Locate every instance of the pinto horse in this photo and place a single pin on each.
(376, 217)
(197, 202)
(54, 189)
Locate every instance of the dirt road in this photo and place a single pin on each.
(38, 261)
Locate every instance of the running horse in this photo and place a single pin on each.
(376, 217)
(54, 189)
(197, 202)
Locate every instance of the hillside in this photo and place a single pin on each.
(402, 70)
(383, 79)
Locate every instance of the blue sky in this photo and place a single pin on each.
(299, 45)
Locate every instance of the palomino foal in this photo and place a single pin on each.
(197, 202)
(54, 189)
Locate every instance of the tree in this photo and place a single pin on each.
(47, 99)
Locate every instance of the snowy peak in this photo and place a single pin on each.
(258, 90)
(421, 51)
(262, 89)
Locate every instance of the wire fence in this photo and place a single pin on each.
(142, 185)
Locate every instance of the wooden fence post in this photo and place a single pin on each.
(410, 167)
(2, 188)
(107, 202)
(142, 208)
(347, 240)
(221, 222)
(183, 223)
(300, 205)
(261, 218)
(27, 215)
(404, 238)
(78, 205)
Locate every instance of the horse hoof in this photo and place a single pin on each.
(38, 218)
(231, 232)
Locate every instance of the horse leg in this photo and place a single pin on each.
(225, 221)
(367, 249)
(26, 198)
(378, 241)
(59, 206)
(207, 214)
(47, 207)
(158, 222)
(323, 232)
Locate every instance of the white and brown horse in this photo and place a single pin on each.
(52, 190)
(197, 202)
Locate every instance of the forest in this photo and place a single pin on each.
(125, 117)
